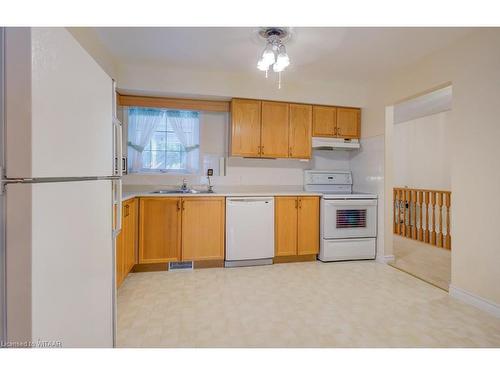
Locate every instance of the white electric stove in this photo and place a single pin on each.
(348, 219)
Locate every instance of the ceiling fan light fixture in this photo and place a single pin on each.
(275, 51)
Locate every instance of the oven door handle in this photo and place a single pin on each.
(350, 202)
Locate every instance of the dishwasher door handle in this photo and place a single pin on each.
(243, 200)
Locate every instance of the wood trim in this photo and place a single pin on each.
(299, 103)
(295, 258)
(411, 206)
(174, 103)
(211, 263)
(150, 267)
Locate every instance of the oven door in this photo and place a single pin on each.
(349, 218)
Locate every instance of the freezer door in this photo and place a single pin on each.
(60, 272)
(59, 107)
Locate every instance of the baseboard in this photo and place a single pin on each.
(295, 258)
(385, 259)
(476, 301)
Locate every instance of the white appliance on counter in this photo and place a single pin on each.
(249, 231)
(348, 219)
(61, 187)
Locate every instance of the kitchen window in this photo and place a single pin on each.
(163, 141)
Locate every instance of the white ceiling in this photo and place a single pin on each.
(315, 53)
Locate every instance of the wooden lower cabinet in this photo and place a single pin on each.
(308, 225)
(203, 228)
(126, 241)
(175, 229)
(285, 225)
(159, 230)
(296, 225)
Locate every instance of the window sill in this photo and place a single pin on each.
(164, 173)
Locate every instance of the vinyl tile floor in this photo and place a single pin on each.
(312, 304)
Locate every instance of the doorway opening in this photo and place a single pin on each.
(421, 187)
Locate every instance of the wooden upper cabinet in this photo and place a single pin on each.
(300, 131)
(348, 122)
(274, 141)
(203, 228)
(160, 230)
(308, 226)
(324, 121)
(269, 129)
(245, 127)
(285, 222)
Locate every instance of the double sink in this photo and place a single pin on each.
(182, 191)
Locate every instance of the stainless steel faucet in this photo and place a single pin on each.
(210, 172)
(210, 186)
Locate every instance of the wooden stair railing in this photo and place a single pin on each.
(423, 215)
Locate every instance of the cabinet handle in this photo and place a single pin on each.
(296, 203)
(290, 151)
(300, 203)
(262, 150)
(178, 205)
(126, 213)
(182, 205)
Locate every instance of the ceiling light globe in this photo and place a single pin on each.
(268, 57)
(262, 65)
(283, 60)
(278, 67)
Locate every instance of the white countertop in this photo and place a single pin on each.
(226, 191)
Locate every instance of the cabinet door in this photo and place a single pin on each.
(348, 122)
(130, 233)
(159, 230)
(203, 228)
(274, 130)
(245, 127)
(300, 131)
(308, 226)
(324, 121)
(285, 221)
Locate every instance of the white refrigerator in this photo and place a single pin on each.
(61, 189)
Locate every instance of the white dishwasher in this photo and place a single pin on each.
(249, 231)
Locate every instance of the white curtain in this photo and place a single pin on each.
(142, 123)
(185, 127)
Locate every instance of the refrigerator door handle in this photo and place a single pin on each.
(118, 148)
(117, 206)
(117, 137)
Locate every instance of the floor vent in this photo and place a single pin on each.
(180, 266)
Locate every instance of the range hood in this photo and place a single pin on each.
(323, 143)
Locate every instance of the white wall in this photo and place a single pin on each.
(214, 128)
(165, 80)
(367, 166)
(471, 65)
(421, 153)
